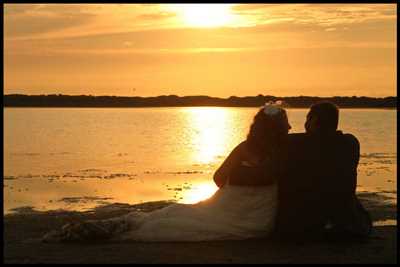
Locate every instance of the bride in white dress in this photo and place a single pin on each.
(243, 207)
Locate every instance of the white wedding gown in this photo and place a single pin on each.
(232, 213)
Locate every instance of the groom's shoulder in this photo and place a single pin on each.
(351, 139)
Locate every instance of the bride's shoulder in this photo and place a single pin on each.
(240, 151)
(242, 147)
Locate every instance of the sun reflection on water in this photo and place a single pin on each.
(210, 135)
(198, 193)
(211, 139)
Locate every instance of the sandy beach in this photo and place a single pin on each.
(24, 228)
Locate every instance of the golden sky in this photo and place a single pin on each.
(200, 49)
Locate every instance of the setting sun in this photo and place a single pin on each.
(205, 15)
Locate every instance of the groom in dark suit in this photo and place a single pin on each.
(316, 192)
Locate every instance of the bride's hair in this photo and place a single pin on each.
(267, 132)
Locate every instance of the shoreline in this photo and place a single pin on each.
(23, 229)
(60, 100)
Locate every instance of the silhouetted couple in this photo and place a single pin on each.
(273, 184)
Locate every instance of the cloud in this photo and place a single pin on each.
(330, 29)
(51, 21)
(15, 10)
(30, 25)
(249, 7)
(156, 16)
(317, 14)
(28, 20)
(86, 29)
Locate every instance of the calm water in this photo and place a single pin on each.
(79, 158)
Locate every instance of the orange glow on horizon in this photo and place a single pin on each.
(219, 50)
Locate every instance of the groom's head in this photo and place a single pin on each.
(322, 117)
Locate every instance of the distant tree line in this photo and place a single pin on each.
(59, 100)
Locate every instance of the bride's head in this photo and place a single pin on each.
(269, 129)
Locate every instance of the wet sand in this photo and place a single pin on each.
(24, 228)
